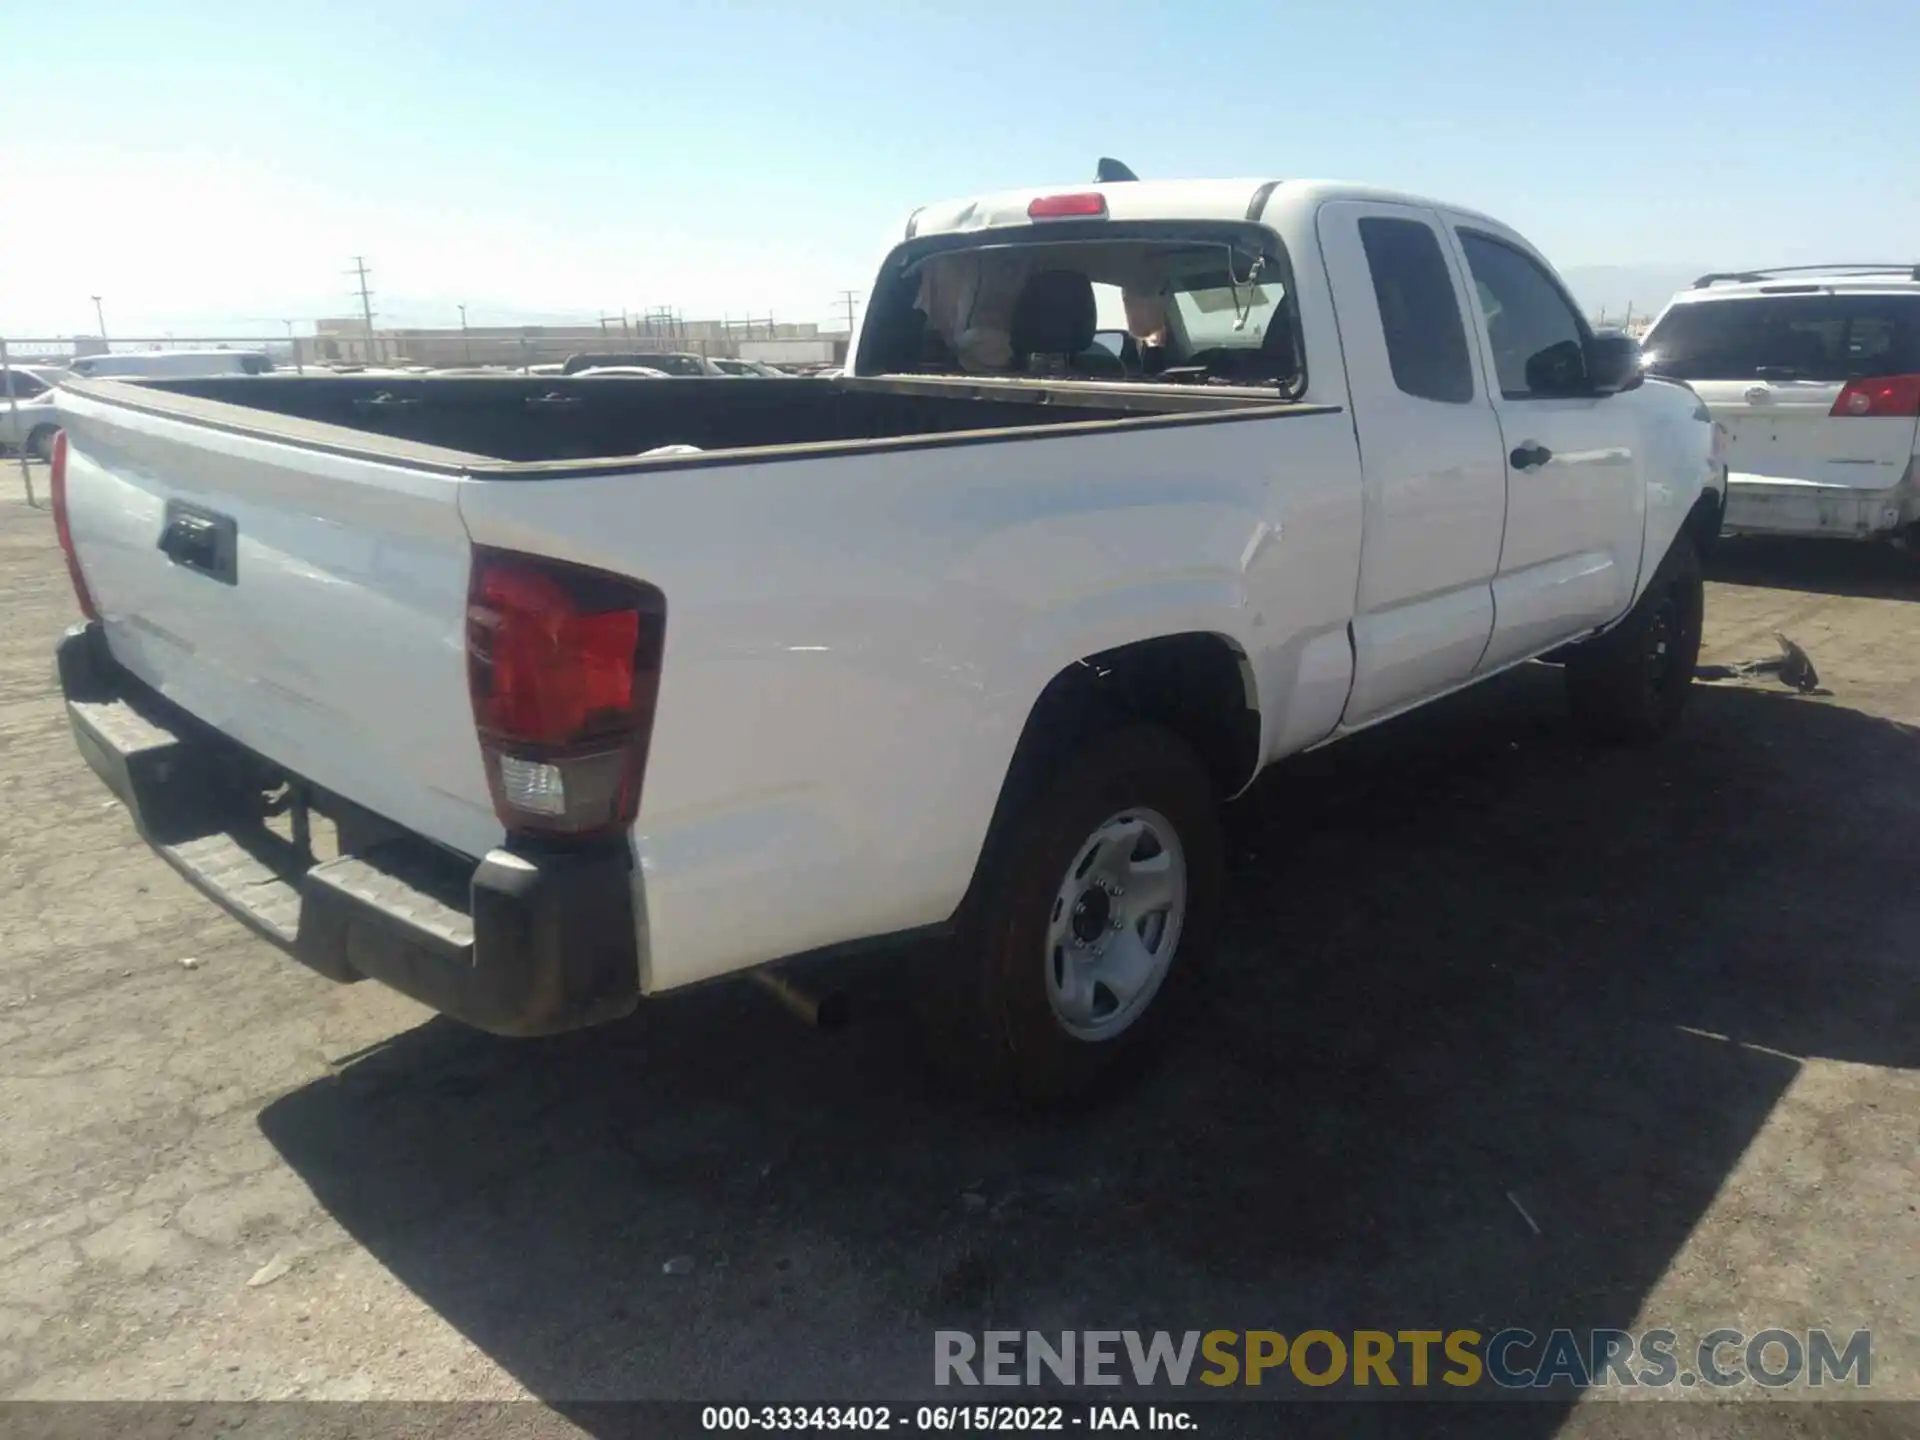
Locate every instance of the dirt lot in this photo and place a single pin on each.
(1670, 1003)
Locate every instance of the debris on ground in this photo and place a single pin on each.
(189, 962)
(1793, 665)
(269, 1272)
(1795, 668)
(678, 1265)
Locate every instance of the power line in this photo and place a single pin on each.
(850, 298)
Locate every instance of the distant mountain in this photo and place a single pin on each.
(1610, 289)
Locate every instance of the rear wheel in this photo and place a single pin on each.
(1630, 685)
(1100, 890)
(40, 442)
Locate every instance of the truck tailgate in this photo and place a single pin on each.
(305, 603)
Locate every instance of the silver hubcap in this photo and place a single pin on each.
(1116, 924)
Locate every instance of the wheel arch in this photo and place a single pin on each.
(1198, 684)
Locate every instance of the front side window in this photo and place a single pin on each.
(22, 386)
(1537, 336)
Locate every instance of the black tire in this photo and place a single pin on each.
(1629, 686)
(40, 442)
(985, 1000)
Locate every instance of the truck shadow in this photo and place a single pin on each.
(1818, 567)
(1468, 963)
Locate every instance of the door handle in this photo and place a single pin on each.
(1530, 456)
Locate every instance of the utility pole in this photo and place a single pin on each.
(366, 299)
(299, 366)
(101, 316)
(849, 298)
(466, 343)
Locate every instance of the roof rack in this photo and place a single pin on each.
(1747, 277)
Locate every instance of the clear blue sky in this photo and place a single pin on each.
(201, 161)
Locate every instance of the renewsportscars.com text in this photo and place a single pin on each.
(1509, 1359)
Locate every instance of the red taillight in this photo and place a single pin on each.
(563, 664)
(1882, 397)
(1091, 204)
(57, 484)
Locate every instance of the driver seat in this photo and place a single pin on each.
(1054, 317)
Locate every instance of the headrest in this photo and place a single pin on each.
(1055, 314)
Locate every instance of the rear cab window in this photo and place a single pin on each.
(1159, 302)
(1830, 337)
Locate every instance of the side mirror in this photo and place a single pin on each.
(1614, 363)
(1560, 369)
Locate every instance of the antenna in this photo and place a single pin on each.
(1110, 170)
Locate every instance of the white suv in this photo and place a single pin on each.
(1814, 373)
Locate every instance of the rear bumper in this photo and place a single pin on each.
(1767, 505)
(522, 942)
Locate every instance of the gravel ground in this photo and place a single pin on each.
(1666, 1002)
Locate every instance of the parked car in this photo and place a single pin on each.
(175, 364)
(1814, 371)
(616, 372)
(748, 368)
(28, 418)
(964, 645)
(668, 363)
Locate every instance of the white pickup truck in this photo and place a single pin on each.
(532, 697)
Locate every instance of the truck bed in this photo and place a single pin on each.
(530, 419)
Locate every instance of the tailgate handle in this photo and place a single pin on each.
(202, 540)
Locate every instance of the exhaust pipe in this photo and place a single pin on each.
(826, 1011)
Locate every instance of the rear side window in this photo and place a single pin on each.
(1426, 339)
(1788, 337)
(22, 386)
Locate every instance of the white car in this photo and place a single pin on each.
(748, 368)
(1814, 374)
(171, 364)
(668, 362)
(30, 420)
(607, 699)
(617, 372)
